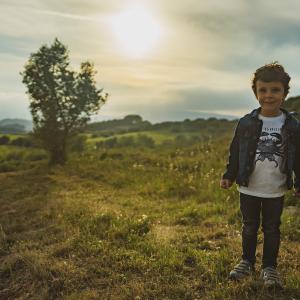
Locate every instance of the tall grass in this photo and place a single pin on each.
(131, 223)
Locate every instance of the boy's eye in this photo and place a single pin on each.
(273, 90)
(262, 90)
(276, 90)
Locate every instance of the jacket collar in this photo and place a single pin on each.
(254, 114)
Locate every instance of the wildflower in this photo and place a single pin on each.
(144, 217)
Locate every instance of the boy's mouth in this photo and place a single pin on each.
(269, 102)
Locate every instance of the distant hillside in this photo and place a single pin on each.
(135, 123)
(293, 104)
(129, 123)
(13, 126)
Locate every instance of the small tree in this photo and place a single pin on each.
(61, 100)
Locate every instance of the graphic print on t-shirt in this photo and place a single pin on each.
(270, 146)
(268, 177)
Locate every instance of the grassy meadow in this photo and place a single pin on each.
(130, 222)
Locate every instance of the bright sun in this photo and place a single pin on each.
(137, 31)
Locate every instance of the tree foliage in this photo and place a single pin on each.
(293, 104)
(61, 100)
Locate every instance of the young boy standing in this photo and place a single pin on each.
(264, 153)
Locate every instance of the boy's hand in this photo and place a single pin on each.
(226, 183)
(297, 193)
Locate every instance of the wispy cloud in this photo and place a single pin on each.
(204, 63)
(63, 15)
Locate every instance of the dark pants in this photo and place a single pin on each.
(271, 209)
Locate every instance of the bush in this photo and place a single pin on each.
(15, 155)
(22, 142)
(110, 143)
(7, 166)
(106, 133)
(145, 140)
(35, 156)
(77, 143)
(4, 140)
(126, 141)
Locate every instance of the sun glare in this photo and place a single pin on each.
(137, 31)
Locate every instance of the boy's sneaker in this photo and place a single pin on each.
(270, 277)
(243, 269)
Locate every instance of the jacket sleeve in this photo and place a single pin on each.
(233, 159)
(297, 160)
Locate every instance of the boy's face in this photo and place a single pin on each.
(270, 96)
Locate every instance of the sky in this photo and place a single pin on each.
(162, 59)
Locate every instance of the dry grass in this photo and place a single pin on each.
(104, 229)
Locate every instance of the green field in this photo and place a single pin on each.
(159, 137)
(130, 223)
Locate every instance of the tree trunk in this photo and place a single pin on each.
(58, 155)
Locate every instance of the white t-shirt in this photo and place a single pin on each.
(267, 179)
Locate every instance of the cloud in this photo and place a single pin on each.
(209, 100)
(205, 62)
(13, 105)
(241, 37)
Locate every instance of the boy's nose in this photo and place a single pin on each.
(268, 93)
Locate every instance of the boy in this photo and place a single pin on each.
(264, 153)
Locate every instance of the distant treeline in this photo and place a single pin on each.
(143, 140)
(293, 104)
(135, 123)
(12, 129)
(130, 123)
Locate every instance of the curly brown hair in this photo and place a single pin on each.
(271, 72)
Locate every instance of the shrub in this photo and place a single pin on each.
(22, 142)
(35, 156)
(145, 140)
(110, 143)
(8, 166)
(78, 143)
(126, 141)
(15, 155)
(4, 140)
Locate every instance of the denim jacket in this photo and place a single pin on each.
(244, 144)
